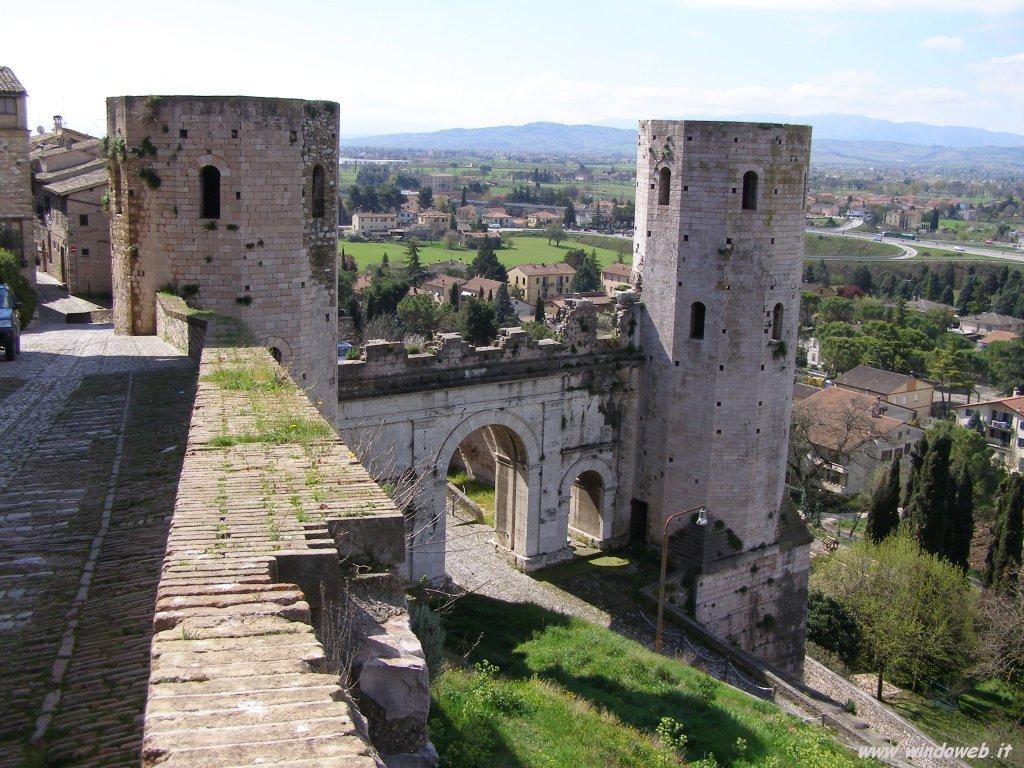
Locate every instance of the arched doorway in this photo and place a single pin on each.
(489, 466)
(586, 502)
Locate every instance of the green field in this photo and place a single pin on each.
(548, 691)
(518, 250)
(851, 248)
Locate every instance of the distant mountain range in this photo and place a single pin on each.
(833, 131)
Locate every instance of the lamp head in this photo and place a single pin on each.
(702, 516)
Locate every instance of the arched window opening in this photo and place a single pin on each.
(209, 179)
(319, 195)
(664, 182)
(777, 314)
(697, 312)
(750, 191)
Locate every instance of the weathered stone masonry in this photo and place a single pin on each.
(569, 406)
(718, 254)
(248, 639)
(230, 199)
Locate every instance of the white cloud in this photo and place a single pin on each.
(943, 43)
(987, 7)
(1003, 74)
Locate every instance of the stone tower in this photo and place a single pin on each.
(718, 257)
(233, 200)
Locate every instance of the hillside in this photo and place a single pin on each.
(837, 139)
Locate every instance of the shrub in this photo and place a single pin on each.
(24, 293)
(426, 625)
(832, 627)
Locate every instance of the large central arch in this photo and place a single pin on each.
(518, 483)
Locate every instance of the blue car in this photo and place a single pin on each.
(10, 323)
(343, 348)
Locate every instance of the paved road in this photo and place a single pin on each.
(94, 427)
(910, 251)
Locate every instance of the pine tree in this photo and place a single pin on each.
(464, 191)
(570, 215)
(504, 313)
(1002, 564)
(928, 509)
(588, 277)
(538, 311)
(486, 264)
(453, 296)
(414, 271)
(961, 520)
(884, 516)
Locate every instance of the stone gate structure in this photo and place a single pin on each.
(553, 412)
(231, 201)
(692, 409)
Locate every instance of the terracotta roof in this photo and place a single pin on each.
(9, 83)
(873, 379)
(803, 391)
(1015, 404)
(539, 270)
(991, 318)
(993, 336)
(443, 281)
(618, 270)
(495, 212)
(474, 286)
(843, 419)
(89, 180)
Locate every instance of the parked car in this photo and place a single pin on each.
(959, 248)
(343, 348)
(10, 323)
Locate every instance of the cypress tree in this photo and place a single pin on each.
(917, 454)
(1002, 564)
(884, 516)
(928, 509)
(961, 520)
(453, 295)
(504, 313)
(538, 311)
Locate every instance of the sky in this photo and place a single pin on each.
(413, 65)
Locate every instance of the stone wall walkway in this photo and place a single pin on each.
(94, 429)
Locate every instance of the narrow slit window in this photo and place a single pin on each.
(664, 182)
(209, 178)
(697, 313)
(319, 195)
(777, 316)
(750, 191)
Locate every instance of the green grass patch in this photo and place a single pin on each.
(520, 249)
(818, 246)
(985, 713)
(299, 430)
(254, 377)
(481, 493)
(562, 692)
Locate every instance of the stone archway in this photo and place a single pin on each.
(586, 496)
(517, 479)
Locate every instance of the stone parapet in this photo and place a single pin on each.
(244, 660)
(386, 367)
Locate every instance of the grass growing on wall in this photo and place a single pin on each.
(540, 690)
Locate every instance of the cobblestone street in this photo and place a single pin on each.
(93, 432)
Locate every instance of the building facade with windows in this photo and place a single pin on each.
(373, 223)
(1002, 422)
(231, 200)
(895, 388)
(15, 174)
(540, 281)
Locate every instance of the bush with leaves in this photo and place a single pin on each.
(832, 627)
(419, 314)
(24, 293)
(914, 610)
(426, 625)
(477, 322)
(382, 327)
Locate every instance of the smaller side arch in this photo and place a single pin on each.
(585, 508)
(284, 350)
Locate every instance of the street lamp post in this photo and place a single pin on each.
(702, 519)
